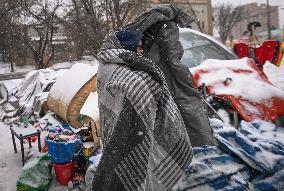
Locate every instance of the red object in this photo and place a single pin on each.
(77, 180)
(44, 149)
(64, 172)
(33, 139)
(268, 109)
(241, 49)
(268, 51)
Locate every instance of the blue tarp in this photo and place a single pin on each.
(249, 158)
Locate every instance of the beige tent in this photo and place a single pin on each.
(69, 93)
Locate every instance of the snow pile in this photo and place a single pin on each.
(25, 96)
(237, 78)
(35, 83)
(6, 68)
(275, 74)
(77, 76)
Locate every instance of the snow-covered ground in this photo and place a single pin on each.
(10, 162)
(6, 67)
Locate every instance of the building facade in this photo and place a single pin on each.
(202, 10)
(257, 12)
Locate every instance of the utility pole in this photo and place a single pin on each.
(268, 19)
(282, 26)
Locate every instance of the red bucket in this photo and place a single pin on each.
(64, 172)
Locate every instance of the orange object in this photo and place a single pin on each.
(241, 49)
(64, 172)
(268, 109)
(281, 53)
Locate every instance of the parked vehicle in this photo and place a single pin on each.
(199, 47)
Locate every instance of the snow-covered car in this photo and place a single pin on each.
(199, 47)
(236, 85)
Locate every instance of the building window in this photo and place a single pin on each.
(203, 24)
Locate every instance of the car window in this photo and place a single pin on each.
(198, 48)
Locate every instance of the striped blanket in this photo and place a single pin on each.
(145, 143)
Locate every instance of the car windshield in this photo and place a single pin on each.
(198, 48)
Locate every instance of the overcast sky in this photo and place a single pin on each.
(280, 3)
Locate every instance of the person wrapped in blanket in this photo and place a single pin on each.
(150, 114)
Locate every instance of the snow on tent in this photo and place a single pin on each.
(35, 83)
(244, 85)
(70, 91)
(27, 97)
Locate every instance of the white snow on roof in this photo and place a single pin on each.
(66, 87)
(247, 85)
(34, 84)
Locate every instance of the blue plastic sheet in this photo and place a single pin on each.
(250, 158)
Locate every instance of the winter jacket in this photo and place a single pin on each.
(166, 51)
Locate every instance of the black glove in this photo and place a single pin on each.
(184, 20)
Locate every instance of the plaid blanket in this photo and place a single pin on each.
(145, 143)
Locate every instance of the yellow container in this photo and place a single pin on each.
(88, 148)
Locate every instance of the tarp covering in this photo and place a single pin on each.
(26, 98)
(250, 158)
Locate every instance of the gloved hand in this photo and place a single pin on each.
(184, 20)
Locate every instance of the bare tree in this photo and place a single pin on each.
(90, 20)
(120, 12)
(225, 18)
(6, 6)
(41, 18)
(85, 26)
(7, 44)
(195, 16)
